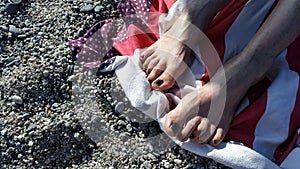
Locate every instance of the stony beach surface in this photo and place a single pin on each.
(56, 114)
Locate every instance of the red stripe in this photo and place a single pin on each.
(243, 126)
(293, 55)
(258, 89)
(282, 151)
(221, 24)
(219, 27)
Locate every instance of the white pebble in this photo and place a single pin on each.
(30, 143)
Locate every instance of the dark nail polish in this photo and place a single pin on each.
(150, 81)
(215, 141)
(192, 136)
(174, 127)
(159, 82)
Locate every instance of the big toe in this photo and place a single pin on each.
(164, 82)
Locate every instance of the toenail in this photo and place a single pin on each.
(215, 141)
(174, 127)
(159, 82)
(192, 136)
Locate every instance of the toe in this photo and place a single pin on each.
(218, 137)
(148, 52)
(204, 131)
(174, 122)
(189, 128)
(164, 82)
(169, 124)
(154, 73)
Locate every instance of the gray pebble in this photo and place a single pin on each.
(17, 99)
(46, 73)
(11, 8)
(3, 131)
(31, 127)
(17, 2)
(87, 9)
(120, 107)
(13, 29)
(98, 9)
(4, 28)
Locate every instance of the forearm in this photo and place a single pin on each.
(278, 31)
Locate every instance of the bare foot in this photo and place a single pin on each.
(164, 61)
(194, 117)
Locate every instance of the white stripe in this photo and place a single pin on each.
(273, 127)
(245, 26)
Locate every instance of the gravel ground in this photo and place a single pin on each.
(55, 114)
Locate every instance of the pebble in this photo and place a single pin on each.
(4, 28)
(30, 143)
(22, 36)
(3, 131)
(87, 9)
(13, 29)
(42, 49)
(17, 99)
(17, 2)
(98, 8)
(31, 127)
(46, 73)
(177, 161)
(120, 107)
(11, 8)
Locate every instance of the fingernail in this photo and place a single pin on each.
(159, 82)
(174, 127)
(142, 56)
(150, 81)
(192, 136)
